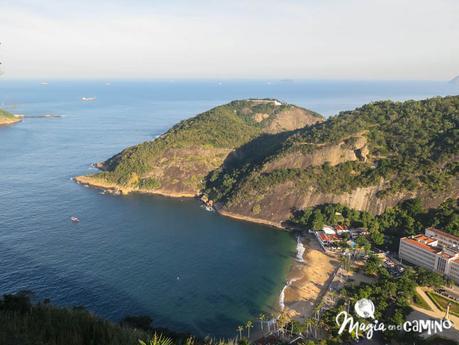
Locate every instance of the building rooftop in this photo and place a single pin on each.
(443, 233)
(413, 241)
(424, 239)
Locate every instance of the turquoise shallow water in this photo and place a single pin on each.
(189, 269)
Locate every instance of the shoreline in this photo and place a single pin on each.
(309, 272)
(116, 189)
(10, 121)
(307, 279)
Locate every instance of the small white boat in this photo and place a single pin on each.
(44, 83)
(74, 219)
(88, 99)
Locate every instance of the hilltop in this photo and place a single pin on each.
(7, 118)
(177, 163)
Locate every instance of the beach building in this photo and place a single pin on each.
(341, 229)
(435, 250)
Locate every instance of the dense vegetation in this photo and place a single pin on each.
(413, 147)
(406, 219)
(225, 127)
(23, 323)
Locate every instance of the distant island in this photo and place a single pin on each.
(260, 159)
(455, 80)
(7, 118)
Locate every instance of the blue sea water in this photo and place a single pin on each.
(188, 269)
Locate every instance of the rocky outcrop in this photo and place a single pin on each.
(352, 149)
(275, 207)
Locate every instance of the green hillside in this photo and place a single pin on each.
(178, 161)
(399, 149)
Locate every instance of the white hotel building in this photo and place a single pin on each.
(436, 250)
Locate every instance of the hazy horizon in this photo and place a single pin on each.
(237, 40)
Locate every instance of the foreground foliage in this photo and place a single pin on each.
(23, 323)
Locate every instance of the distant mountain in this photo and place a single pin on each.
(455, 80)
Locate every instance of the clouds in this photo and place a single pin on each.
(242, 39)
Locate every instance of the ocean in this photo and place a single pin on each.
(190, 270)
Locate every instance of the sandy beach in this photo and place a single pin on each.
(308, 280)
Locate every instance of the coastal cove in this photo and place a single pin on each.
(189, 269)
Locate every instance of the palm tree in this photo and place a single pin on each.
(240, 328)
(309, 323)
(314, 324)
(248, 325)
(262, 318)
(282, 321)
(158, 340)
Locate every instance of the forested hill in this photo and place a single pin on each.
(261, 159)
(177, 162)
(369, 159)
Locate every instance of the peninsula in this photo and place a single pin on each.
(7, 118)
(179, 161)
(258, 160)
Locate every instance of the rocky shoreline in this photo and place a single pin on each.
(116, 189)
(10, 121)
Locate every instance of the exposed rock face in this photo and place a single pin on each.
(333, 154)
(181, 170)
(275, 207)
(291, 119)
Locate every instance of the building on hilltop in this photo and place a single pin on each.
(436, 250)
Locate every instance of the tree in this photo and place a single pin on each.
(262, 318)
(248, 326)
(158, 340)
(239, 329)
(317, 220)
(372, 265)
(428, 278)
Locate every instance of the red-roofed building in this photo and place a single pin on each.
(436, 250)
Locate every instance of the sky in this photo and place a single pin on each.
(206, 39)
